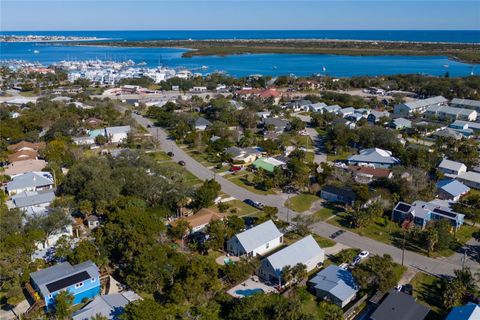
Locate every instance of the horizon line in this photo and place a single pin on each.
(53, 30)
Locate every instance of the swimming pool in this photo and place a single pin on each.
(249, 292)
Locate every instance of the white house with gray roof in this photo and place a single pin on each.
(255, 241)
(400, 123)
(465, 103)
(419, 106)
(470, 178)
(450, 113)
(201, 124)
(30, 181)
(305, 251)
(451, 168)
(32, 202)
(377, 157)
(334, 284)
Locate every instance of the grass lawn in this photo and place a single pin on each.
(339, 156)
(244, 183)
(191, 179)
(321, 132)
(160, 156)
(427, 290)
(304, 141)
(310, 156)
(324, 214)
(242, 209)
(201, 157)
(292, 237)
(301, 202)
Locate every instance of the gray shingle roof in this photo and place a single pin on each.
(413, 105)
(259, 235)
(116, 130)
(400, 306)
(374, 155)
(337, 281)
(299, 252)
(466, 102)
(33, 198)
(29, 180)
(60, 271)
(200, 122)
(110, 306)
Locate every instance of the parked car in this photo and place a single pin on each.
(254, 204)
(149, 126)
(170, 154)
(408, 289)
(362, 255)
(182, 163)
(336, 234)
(235, 168)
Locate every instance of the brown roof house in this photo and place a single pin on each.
(201, 219)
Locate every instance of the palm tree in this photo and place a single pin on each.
(287, 275)
(299, 273)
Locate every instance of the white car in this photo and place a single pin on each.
(362, 255)
(303, 133)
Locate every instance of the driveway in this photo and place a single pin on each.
(413, 260)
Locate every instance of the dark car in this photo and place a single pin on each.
(408, 289)
(182, 163)
(250, 202)
(336, 234)
(170, 154)
(149, 126)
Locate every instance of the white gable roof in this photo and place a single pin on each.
(300, 252)
(452, 165)
(259, 235)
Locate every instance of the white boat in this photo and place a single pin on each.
(36, 51)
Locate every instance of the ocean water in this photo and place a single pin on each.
(244, 65)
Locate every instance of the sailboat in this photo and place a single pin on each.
(324, 69)
(36, 51)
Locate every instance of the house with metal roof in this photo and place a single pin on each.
(337, 194)
(317, 107)
(451, 168)
(470, 178)
(255, 241)
(201, 124)
(467, 128)
(81, 280)
(377, 157)
(449, 189)
(375, 115)
(305, 251)
(268, 164)
(419, 106)
(346, 111)
(420, 213)
(33, 202)
(450, 113)
(400, 306)
(30, 181)
(334, 284)
(110, 306)
(465, 103)
(243, 156)
(400, 123)
(470, 311)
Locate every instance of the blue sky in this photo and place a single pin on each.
(234, 15)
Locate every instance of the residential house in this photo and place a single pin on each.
(470, 178)
(378, 158)
(30, 181)
(336, 194)
(201, 219)
(334, 284)
(201, 124)
(243, 156)
(81, 280)
(268, 164)
(451, 168)
(305, 251)
(26, 146)
(400, 306)
(23, 155)
(20, 167)
(356, 116)
(375, 115)
(275, 124)
(419, 106)
(465, 103)
(317, 107)
(448, 189)
(332, 109)
(32, 202)
(344, 112)
(92, 222)
(400, 123)
(255, 241)
(448, 133)
(467, 128)
(420, 213)
(449, 113)
(299, 105)
(110, 306)
(470, 311)
(112, 134)
(367, 174)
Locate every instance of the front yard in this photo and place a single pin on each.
(339, 156)
(301, 202)
(428, 291)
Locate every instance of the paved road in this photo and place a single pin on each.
(411, 259)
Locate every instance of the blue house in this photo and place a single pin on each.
(470, 311)
(335, 284)
(81, 280)
(420, 213)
